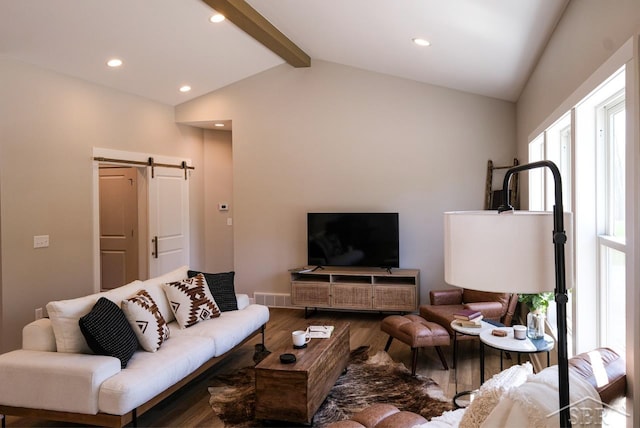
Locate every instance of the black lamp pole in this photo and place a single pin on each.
(559, 239)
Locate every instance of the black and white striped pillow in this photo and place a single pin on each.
(107, 331)
(221, 287)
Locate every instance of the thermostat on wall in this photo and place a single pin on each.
(223, 206)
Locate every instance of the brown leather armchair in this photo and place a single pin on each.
(498, 307)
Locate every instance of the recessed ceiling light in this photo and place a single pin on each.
(185, 88)
(220, 125)
(114, 62)
(421, 42)
(216, 18)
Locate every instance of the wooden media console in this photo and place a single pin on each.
(362, 289)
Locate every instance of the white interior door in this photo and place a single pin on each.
(168, 220)
(118, 227)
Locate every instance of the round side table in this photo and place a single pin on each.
(509, 343)
(459, 400)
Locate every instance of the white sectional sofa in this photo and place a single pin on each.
(56, 376)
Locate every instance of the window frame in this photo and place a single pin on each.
(589, 238)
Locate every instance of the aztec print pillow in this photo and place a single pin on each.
(222, 289)
(191, 301)
(146, 320)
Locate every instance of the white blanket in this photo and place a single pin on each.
(535, 403)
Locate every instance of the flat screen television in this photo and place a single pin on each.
(353, 239)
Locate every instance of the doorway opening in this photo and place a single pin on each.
(122, 225)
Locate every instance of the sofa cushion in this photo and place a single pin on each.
(441, 314)
(191, 301)
(148, 374)
(38, 336)
(222, 288)
(228, 330)
(146, 320)
(243, 301)
(604, 369)
(474, 296)
(59, 381)
(381, 415)
(374, 414)
(64, 315)
(108, 332)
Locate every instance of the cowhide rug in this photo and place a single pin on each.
(368, 380)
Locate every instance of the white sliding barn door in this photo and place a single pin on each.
(168, 220)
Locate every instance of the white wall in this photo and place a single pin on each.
(337, 138)
(589, 32)
(49, 124)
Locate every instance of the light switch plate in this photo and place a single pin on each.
(40, 241)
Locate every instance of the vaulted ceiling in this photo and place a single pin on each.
(486, 47)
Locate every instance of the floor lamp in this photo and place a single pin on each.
(517, 252)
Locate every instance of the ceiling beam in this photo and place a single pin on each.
(251, 22)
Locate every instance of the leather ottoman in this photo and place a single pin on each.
(416, 332)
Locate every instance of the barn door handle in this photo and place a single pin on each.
(154, 253)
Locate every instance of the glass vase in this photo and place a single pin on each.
(535, 325)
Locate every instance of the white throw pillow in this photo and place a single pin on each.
(146, 320)
(65, 314)
(492, 391)
(191, 301)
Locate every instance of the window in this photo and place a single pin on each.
(553, 144)
(596, 186)
(558, 146)
(536, 176)
(610, 219)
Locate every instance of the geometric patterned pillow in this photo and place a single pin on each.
(191, 301)
(222, 289)
(146, 320)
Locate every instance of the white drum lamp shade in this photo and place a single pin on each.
(510, 252)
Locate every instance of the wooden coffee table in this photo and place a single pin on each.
(294, 392)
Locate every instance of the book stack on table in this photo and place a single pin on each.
(320, 331)
(468, 318)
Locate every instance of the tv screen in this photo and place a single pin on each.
(353, 239)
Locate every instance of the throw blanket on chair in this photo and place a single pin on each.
(535, 403)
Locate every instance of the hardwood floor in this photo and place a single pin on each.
(189, 407)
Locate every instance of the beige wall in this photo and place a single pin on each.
(589, 33)
(49, 124)
(218, 187)
(336, 138)
(326, 138)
